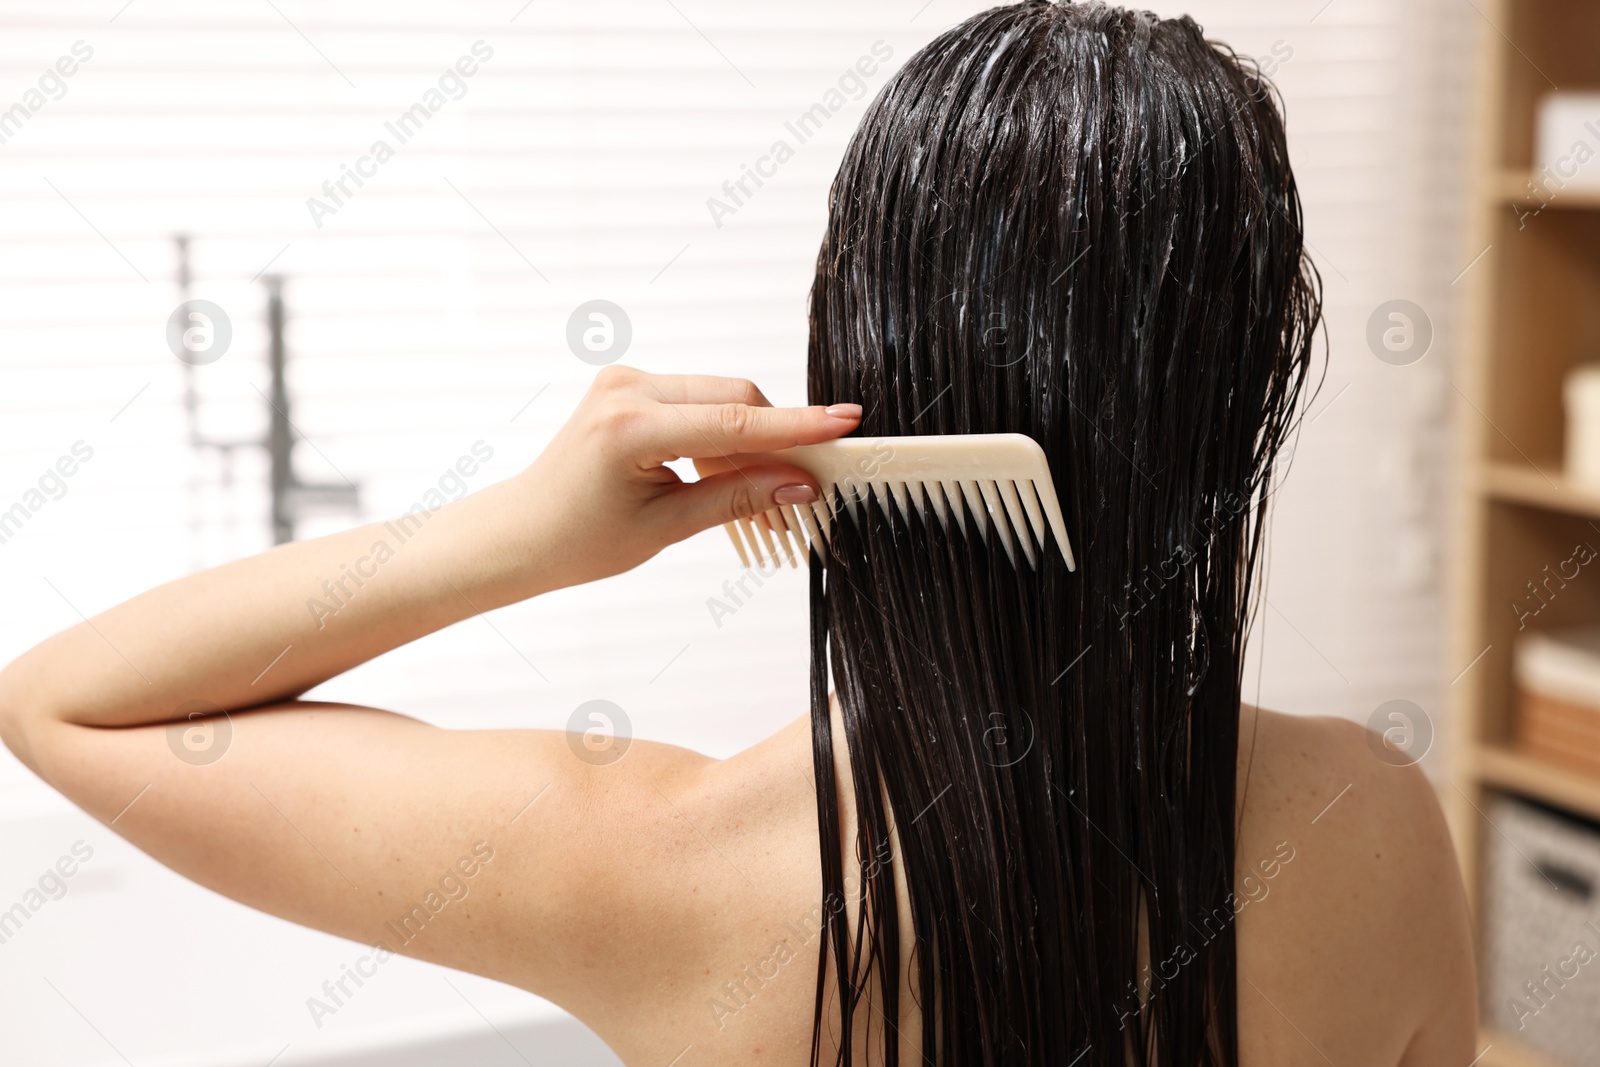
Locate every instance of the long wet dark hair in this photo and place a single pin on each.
(1078, 223)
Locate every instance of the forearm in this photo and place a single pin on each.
(272, 626)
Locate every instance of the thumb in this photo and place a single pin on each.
(742, 493)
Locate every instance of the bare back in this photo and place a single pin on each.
(1353, 941)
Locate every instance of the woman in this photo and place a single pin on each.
(1035, 824)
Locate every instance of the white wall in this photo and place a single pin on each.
(429, 313)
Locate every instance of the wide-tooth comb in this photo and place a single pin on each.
(1001, 480)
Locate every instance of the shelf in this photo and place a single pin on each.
(1530, 322)
(1505, 1051)
(1570, 791)
(1512, 188)
(1542, 486)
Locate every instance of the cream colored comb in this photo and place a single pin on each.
(1002, 480)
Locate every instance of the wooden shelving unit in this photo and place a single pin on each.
(1532, 313)
(1509, 771)
(1514, 189)
(1538, 485)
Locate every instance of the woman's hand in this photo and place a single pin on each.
(604, 498)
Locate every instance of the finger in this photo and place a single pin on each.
(724, 430)
(703, 389)
(737, 494)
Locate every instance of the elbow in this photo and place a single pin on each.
(21, 713)
(15, 738)
(15, 734)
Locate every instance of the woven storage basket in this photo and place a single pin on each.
(1541, 930)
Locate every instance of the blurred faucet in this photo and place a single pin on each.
(292, 497)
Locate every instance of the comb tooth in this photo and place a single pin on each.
(1008, 493)
(935, 493)
(820, 512)
(1030, 502)
(772, 534)
(952, 497)
(769, 547)
(760, 523)
(850, 505)
(899, 491)
(997, 517)
(1058, 526)
(803, 514)
(774, 520)
(797, 530)
(833, 503)
(975, 508)
(738, 545)
(793, 533)
(829, 502)
(748, 529)
(880, 491)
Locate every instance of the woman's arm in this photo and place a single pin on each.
(597, 502)
(271, 626)
(351, 819)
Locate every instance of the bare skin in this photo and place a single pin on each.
(668, 900)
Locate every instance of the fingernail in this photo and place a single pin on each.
(794, 494)
(844, 411)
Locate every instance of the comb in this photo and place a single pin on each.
(1001, 480)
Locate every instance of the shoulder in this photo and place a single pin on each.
(1371, 826)
(1371, 898)
(1333, 776)
(707, 894)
